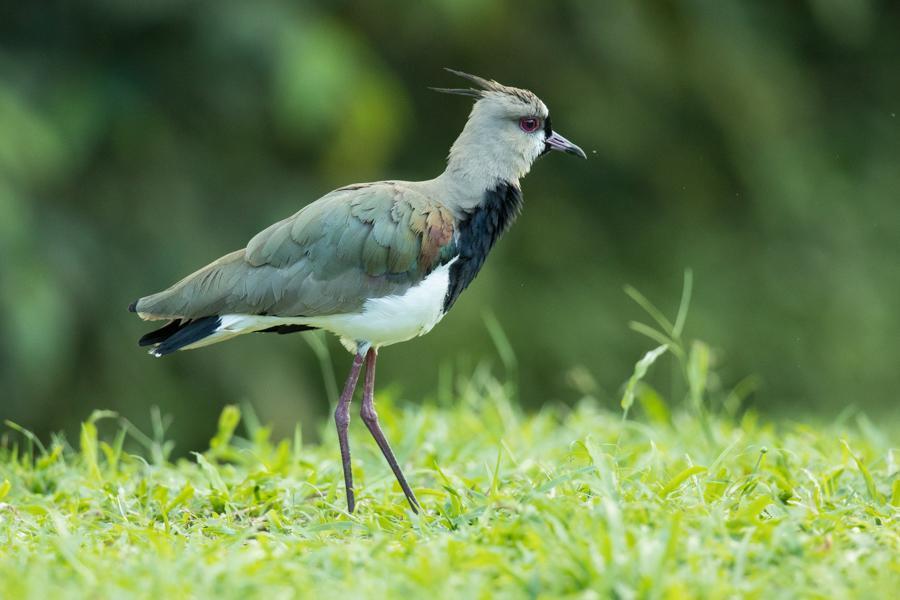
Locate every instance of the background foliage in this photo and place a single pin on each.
(754, 142)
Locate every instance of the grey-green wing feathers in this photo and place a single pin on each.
(356, 243)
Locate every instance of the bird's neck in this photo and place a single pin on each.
(464, 183)
(477, 232)
(476, 164)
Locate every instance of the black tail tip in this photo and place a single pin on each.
(133, 306)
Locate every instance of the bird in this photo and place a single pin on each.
(374, 263)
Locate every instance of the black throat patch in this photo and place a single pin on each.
(548, 131)
(478, 232)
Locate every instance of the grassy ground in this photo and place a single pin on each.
(581, 502)
(576, 503)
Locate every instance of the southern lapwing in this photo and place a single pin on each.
(374, 263)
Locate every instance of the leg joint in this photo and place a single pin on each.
(342, 416)
(368, 414)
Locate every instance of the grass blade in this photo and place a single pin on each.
(679, 479)
(651, 310)
(640, 370)
(867, 476)
(685, 303)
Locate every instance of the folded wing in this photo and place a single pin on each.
(356, 243)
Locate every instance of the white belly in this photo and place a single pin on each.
(382, 321)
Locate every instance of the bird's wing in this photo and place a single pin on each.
(356, 243)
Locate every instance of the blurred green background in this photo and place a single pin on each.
(756, 142)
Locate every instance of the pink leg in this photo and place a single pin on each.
(370, 418)
(342, 420)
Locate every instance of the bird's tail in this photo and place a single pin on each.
(185, 334)
(179, 334)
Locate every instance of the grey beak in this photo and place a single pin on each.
(558, 142)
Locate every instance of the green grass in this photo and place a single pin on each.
(547, 505)
(646, 502)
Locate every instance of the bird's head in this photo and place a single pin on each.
(507, 130)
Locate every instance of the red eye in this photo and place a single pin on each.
(529, 124)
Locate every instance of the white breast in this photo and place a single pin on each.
(391, 319)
